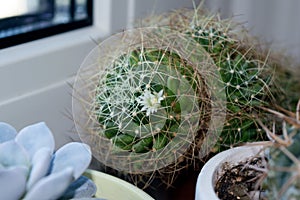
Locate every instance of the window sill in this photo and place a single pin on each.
(35, 78)
(43, 62)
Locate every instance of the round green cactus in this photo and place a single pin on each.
(245, 76)
(143, 98)
(146, 99)
(252, 77)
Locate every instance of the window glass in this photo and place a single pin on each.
(27, 20)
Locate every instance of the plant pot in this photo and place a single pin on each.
(212, 170)
(112, 188)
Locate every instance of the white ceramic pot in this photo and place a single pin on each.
(212, 170)
(112, 188)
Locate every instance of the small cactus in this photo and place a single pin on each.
(251, 76)
(283, 157)
(150, 103)
(142, 100)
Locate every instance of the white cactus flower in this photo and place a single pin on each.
(149, 101)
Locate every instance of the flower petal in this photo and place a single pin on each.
(12, 182)
(75, 155)
(52, 186)
(160, 93)
(83, 187)
(148, 112)
(7, 132)
(40, 166)
(35, 137)
(12, 154)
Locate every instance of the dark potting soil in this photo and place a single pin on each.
(241, 181)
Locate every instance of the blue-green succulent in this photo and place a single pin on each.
(30, 168)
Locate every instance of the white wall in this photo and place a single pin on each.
(35, 77)
(276, 21)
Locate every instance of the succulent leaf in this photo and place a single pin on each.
(75, 155)
(40, 166)
(52, 186)
(7, 132)
(35, 137)
(12, 182)
(12, 154)
(81, 188)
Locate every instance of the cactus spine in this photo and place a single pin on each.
(283, 156)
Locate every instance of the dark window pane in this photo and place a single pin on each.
(27, 20)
